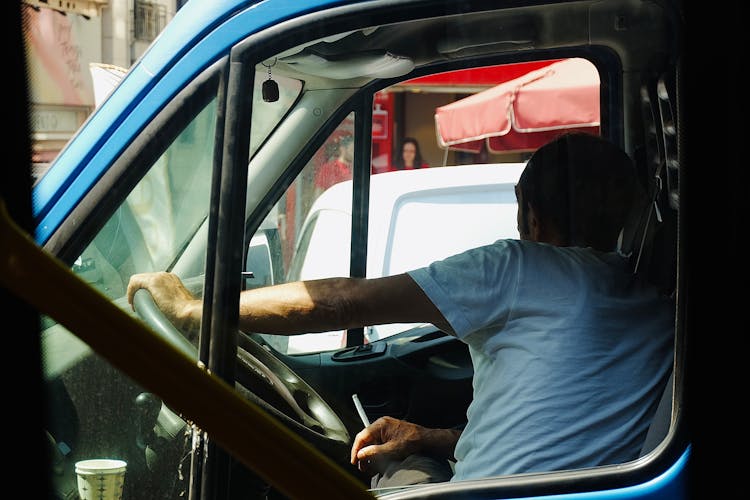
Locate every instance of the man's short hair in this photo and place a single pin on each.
(583, 187)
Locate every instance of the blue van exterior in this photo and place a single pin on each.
(201, 35)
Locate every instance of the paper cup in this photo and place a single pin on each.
(100, 479)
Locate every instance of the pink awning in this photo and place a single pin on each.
(524, 113)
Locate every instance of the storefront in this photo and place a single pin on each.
(59, 47)
(408, 110)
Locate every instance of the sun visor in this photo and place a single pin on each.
(375, 65)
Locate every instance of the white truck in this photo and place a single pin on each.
(474, 204)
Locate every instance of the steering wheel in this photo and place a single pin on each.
(264, 379)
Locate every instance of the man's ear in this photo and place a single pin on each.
(542, 232)
(533, 224)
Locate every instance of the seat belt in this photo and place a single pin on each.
(647, 233)
(661, 421)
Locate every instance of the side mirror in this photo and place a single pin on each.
(262, 262)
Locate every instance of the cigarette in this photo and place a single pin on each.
(360, 410)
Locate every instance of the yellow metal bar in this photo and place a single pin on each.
(282, 458)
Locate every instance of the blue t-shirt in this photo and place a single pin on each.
(570, 358)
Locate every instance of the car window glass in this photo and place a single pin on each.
(312, 242)
(267, 114)
(94, 405)
(159, 216)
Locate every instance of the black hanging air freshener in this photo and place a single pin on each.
(270, 88)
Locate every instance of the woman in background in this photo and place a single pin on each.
(409, 156)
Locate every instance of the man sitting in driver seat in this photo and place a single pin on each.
(570, 351)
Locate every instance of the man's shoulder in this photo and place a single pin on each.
(528, 247)
(542, 257)
(510, 248)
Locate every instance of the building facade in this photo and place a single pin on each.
(64, 40)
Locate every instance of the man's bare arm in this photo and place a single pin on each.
(336, 304)
(305, 306)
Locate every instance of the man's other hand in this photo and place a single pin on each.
(385, 440)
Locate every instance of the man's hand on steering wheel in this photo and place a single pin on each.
(171, 310)
(171, 296)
